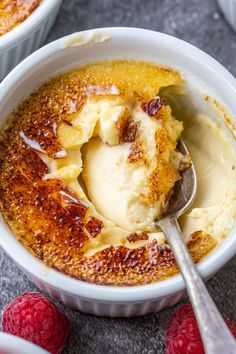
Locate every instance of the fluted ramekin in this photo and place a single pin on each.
(229, 9)
(27, 36)
(14, 345)
(200, 69)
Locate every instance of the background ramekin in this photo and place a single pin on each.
(27, 36)
(14, 345)
(229, 9)
(202, 70)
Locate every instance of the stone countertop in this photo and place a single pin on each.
(201, 23)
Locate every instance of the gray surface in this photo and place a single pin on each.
(201, 23)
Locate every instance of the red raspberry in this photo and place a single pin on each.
(33, 317)
(183, 336)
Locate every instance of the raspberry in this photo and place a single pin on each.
(183, 336)
(33, 317)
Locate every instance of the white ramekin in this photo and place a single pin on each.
(229, 9)
(202, 70)
(27, 36)
(14, 345)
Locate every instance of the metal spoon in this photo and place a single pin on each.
(216, 336)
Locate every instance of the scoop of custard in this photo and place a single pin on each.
(129, 180)
(126, 154)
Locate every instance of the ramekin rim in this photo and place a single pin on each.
(104, 293)
(10, 38)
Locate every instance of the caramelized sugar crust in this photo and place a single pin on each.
(47, 217)
(13, 12)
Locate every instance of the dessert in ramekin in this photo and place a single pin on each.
(77, 138)
(24, 26)
(12, 13)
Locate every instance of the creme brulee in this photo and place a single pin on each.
(12, 13)
(90, 160)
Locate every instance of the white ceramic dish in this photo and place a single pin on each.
(202, 71)
(229, 9)
(14, 345)
(27, 36)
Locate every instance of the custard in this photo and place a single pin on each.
(12, 13)
(90, 160)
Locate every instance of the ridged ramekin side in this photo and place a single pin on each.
(109, 309)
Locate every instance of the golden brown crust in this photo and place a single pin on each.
(153, 106)
(134, 236)
(49, 219)
(122, 123)
(136, 153)
(130, 131)
(94, 226)
(12, 13)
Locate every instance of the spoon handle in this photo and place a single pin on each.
(216, 336)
